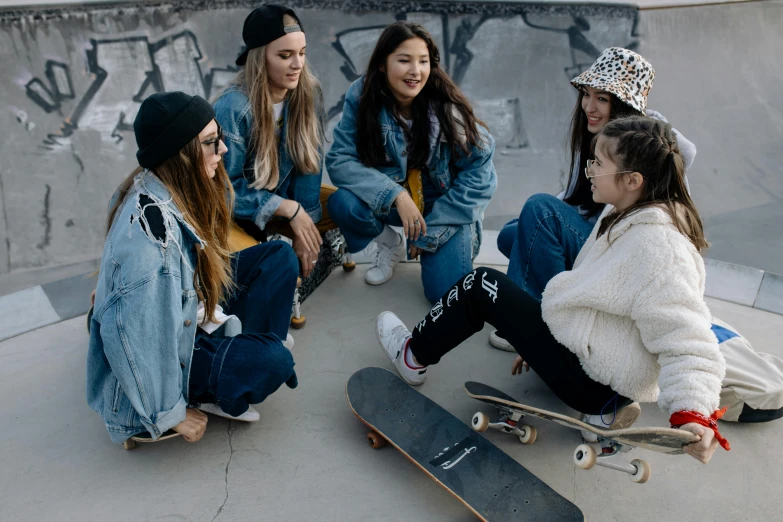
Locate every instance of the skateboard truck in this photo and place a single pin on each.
(339, 249)
(507, 423)
(585, 457)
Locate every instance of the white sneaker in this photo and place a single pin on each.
(624, 419)
(394, 337)
(499, 342)
(251, 415)
(289, 342)
(386, 258)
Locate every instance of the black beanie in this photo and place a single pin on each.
(166, 122)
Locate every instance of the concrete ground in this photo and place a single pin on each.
(307, 458)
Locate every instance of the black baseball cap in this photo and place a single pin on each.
(265, 25)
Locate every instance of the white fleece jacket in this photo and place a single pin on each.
(634, 314)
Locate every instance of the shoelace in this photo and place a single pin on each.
(399, 335)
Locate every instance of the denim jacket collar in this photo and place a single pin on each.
(148, 183)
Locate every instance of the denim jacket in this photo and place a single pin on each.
(466, 183)
(234, 114)
(143, 328)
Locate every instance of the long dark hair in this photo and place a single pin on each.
(206, 204)
(439, 93)
(581, 151)
(649, 147)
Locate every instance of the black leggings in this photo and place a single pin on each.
(488, 296)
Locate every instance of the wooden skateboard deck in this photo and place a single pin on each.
(661, 440)
(146, 439)
(487, 481)
(613, 442)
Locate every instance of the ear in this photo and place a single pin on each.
(634, 181)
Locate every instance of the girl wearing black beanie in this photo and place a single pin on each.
(171, 299)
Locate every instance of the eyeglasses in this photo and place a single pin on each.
(589, 167)
(215, 141)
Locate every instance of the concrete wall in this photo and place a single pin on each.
(74, 77)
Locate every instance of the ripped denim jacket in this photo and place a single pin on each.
(144, 323)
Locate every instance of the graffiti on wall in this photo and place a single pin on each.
(126, 70)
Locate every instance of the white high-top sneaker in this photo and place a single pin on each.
(250, 415)
(390, 251)
(394, 337)
(624, 418)
(289, 342)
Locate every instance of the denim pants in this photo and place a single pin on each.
(543, 242)
(439, 269)
(235, 372)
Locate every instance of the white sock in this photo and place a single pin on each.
(389, 236)
(410, 360)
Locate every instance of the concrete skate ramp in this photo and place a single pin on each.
(74, 78)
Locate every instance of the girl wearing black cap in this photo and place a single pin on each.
(272, 118)
(409, 152)
(165, 271)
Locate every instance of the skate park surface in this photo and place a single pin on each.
(718, 72)
(307, 458)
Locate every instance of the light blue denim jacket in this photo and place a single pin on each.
(144, 324)
(234, 114)
(466, 183)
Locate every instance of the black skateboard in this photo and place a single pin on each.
(487, 481)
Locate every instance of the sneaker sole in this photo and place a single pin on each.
(506, 347)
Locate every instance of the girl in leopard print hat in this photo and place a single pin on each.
(551, 230)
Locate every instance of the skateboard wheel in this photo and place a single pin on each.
(480, 422)
(530, 434)
(297, 323)
(643, 471)
(298, 282)
(129, 444)
(584, 456)
(349, 266)
(375, 441)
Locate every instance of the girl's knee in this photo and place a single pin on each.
(536, 205)
(283, 258)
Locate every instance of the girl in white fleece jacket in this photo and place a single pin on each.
(628, 323)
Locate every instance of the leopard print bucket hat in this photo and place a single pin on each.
(623, 73)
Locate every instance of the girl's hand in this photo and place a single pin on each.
(194, 425)
(305, 231)
(702, 450)
(519, 362)
(306, 258)
(413, 225)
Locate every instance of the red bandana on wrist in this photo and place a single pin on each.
(681, 418)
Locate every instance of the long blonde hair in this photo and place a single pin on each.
(304, 127)
(206, 205)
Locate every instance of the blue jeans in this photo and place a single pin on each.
(439, 269)
(235, 372)
(543, 242)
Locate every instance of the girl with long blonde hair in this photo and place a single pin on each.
(272, 117)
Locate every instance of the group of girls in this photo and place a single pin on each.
(604, 292)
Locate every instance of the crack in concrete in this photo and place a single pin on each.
(5, 224)
(46, 220)
(573, 482)
(230, 456)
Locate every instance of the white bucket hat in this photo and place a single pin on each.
(623, 73)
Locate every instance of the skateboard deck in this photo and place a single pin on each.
(146, 438)
(487, 481)
(662, 440)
